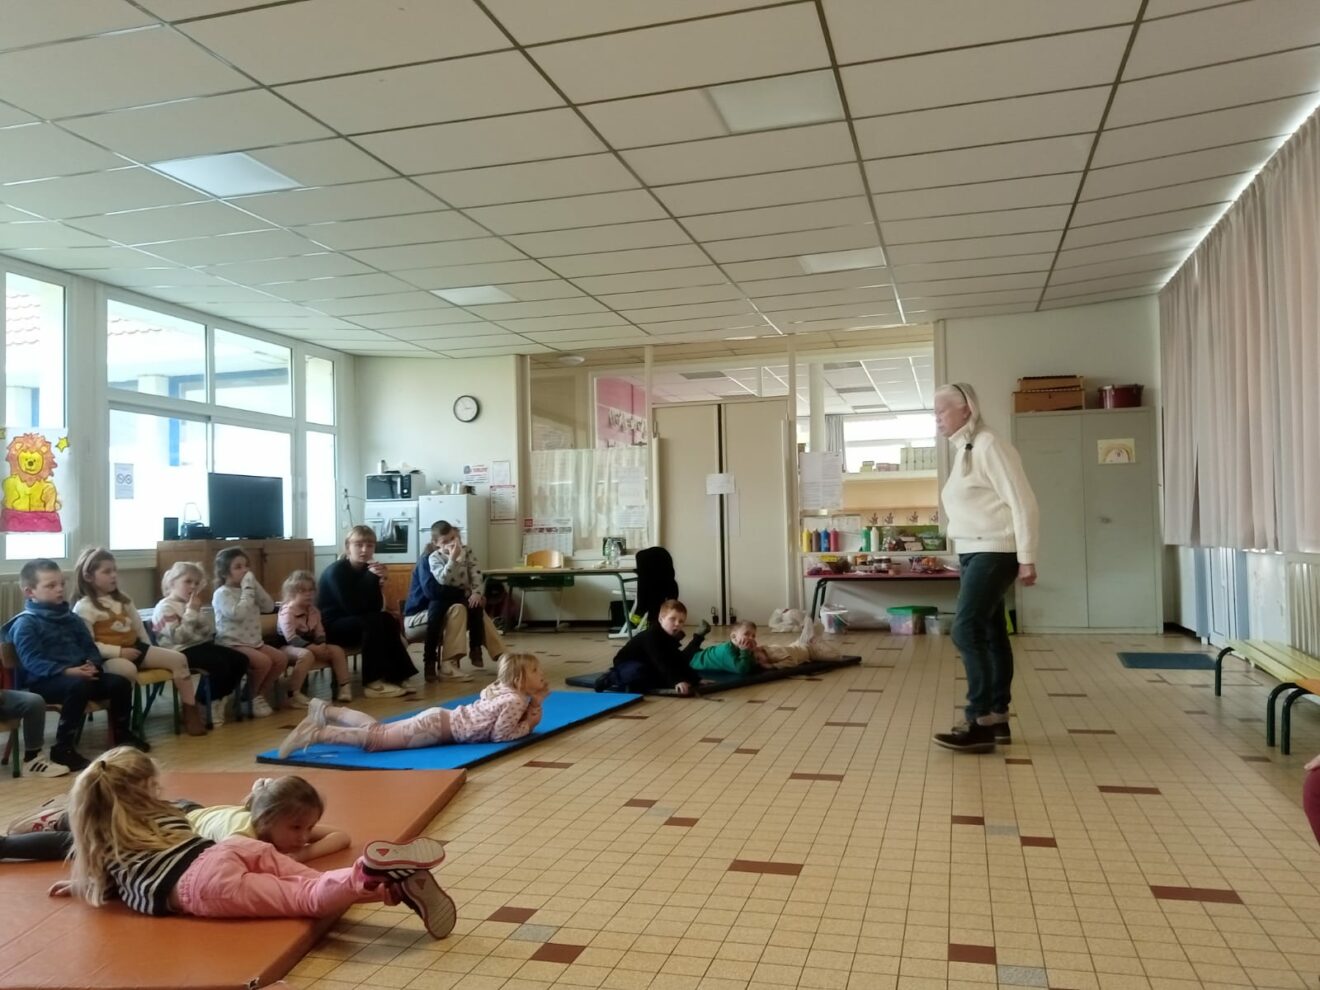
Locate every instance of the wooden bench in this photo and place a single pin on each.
(1297, 672)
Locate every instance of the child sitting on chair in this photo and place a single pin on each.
(300, 624)
(653, 660)
(743, 655)
(508, 709)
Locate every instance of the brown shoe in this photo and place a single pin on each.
(193, 723)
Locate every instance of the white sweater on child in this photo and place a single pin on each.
(238, 613)
(180, 626)
(988, 502)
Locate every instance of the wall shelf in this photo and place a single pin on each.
(889, 475)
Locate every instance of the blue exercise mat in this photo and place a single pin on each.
(1167, 661)
(562, 710)
(714, 681)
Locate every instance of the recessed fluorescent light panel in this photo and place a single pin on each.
(474, 295)
(234, 174)
(784, 101)
(842, 261)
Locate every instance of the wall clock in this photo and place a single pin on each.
(466, 408)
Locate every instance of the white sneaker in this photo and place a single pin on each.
(302, 736)
(261, 707)
(298, 700)
(380, 689)
(218, 713)
(316, 712)
(449, 671)
(42, 766)
(345, 694)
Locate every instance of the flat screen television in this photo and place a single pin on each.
(245, 507)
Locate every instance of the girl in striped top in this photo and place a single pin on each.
(130, 844)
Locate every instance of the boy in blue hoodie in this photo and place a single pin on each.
(59, 661)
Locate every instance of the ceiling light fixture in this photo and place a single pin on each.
(748, 337)
(232, 174)
(781, 101)
(571, 360)
(842, 261)
(474, 295)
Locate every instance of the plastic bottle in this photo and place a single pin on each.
(834, 540)
(806, 540)
(822, 541)
(866, 540)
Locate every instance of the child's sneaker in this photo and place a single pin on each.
(297, 700)
(70, 757)
(42, 766)
(345, 694)
(316, 712)
(44, 819)
(998, 721)
(302, 736)
(261, 707)
(218, 713)
(449, 671)
(436, 908)
(400, 860)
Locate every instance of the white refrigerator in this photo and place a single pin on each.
(467, 512)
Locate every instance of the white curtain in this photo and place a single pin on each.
(1241, 367)
(602, 490)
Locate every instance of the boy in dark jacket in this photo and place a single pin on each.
(653, 660)
(59, 661)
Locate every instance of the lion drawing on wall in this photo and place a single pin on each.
(31, 500)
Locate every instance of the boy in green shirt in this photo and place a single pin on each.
(743, 655)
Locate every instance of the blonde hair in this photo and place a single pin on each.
(362, 533)
(85, 566)
(295, 583)
(114, 812)
(514, 667)
(273, 798)
(181, 569)
(671, 605)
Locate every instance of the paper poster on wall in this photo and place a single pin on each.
(123, 481)
(31, 490)
(476, 474)
(631, 517)
(503, 503)
(720, 484)
(1117, 451)
(632, 493)
(501, 473)
(820, 480)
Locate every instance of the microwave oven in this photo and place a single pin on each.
(395, 485)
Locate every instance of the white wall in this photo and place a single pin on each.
(404, 412)
(1114, 343)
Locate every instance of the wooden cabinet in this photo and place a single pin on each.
(396, 587)
(272, 560)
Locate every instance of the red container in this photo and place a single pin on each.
(1120, 396)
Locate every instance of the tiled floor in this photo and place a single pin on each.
(807, 834)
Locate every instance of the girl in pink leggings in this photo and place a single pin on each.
(129, 842)
(508, 709)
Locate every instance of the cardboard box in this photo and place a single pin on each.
(1049, 383)
(1054, 400)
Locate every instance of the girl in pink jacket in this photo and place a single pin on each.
(508, 709)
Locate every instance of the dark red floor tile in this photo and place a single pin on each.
(516, 915)
(983, 954)
(557, 952)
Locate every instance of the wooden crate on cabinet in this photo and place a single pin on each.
(272, 560)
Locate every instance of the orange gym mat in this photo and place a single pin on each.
(48, 942)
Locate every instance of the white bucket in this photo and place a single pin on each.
(835, 620)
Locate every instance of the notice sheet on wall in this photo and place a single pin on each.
(503, 503)
(820, 480)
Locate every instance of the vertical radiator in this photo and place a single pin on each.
(1304, 605)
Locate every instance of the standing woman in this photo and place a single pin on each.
(992, 519)
(353, 610)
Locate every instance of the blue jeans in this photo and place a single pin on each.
(31, 708)
(980, 631)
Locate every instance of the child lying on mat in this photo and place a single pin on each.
(508, 709)
(653, 660)
(130, 844)
(283, 811)
(743, 655)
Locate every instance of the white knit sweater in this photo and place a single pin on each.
(988, 502)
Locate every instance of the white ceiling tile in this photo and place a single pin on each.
(551, 289)
(610, 237)
(938, 270)
(695, 53)
(38, 151)
(523, 348)
(750, 323)
(175, 10)
(206, 125)
(1002, 161)
(305, 266)
(44, 234)
(496, 338)
(9, 116)
(1180, 240)
(838, 297)
(974, 247)
(773, 268)
(1099, 297)
(868, 312)
(1222, 190)
(254, 246)
(1247, 81)
(475, 143)
(204, 295)
(112, 71)
(459, 276)
(168, 223)
(1277, 118)
(322, 163)
(585, 335)
(530, 181)
(743, 154)
(864, 30)
(353, 201)
(271, 43)
(574, 211)
(469, 252)
(975, 225)
(703, 274)
(97, 192)
(1018, 68)
(1091, 286)
(414, 228)
(1064, 273)
(1175, 169)
(423, 325)
(779, 219)
(302, 325)
(1020, 119)
(336, 288)
(793, 245)
(616, 262)
(821, 281)
(242, 311)
(396, 302)
(753, 191)
(564, 322)
(1222, 34)
(434, 92)
(970, 311)
(59, 20)
(977, 197)
(1165, 8)
(669, 297)
(532, 21)
(1198, 217)
(664, 314)
(1023, 298)
(688, 115)
(503, 312)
